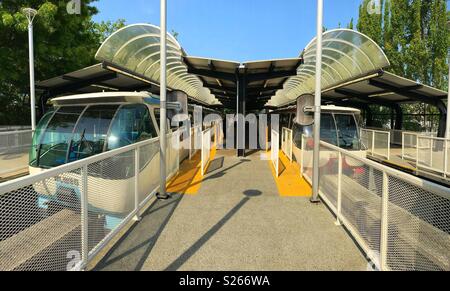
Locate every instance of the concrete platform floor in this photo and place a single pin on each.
(237, 221)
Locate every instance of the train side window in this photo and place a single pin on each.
(328, 129)
(131, 124)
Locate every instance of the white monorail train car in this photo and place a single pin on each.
(339, 126)
(85, 125)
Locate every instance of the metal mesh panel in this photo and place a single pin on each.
(274, 154)
(173, 148)
(396, 137)
(206, 149)
(418, 228)
(366, 139)
(381, 144)
(149, 164)
(286, 142)
(15, 141)
(308, 146)
(447, 158)
(328, 174)
(40, 225)
(14, 148)
(361, 200)
(425, 152)
(410, 145)
(110, 194)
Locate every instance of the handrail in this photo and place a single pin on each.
(77, 173)
(437, 159)
(375, 199)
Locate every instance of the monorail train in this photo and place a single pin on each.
(339, 126)
(85, 125)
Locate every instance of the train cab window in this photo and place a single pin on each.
(91, 131)
(52, 148)
(347, 131)
(131, 124)
(328, 129)
(40, 129)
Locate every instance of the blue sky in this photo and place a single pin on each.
(239, 30)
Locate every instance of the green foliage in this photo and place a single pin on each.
(415, 37)
(62, 43)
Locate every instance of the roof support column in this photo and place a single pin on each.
(398, 117)
(448, 104)
(240, 110)
(317, 103)
(163, 110)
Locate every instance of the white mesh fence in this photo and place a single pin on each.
(306, 163)
(14, 148)
(206, 149)
(429, 154)
(15, 141)
(61, 218)
(274, 154)
(196, 140)
(377, 142)
(402, 222)
(286, 142)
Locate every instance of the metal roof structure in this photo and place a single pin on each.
(261, 79)
(347, 55)
(353, 65)
(137, 48)
(96, 78)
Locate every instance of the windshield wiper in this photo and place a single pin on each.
(81, 142)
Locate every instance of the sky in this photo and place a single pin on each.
(237, 30)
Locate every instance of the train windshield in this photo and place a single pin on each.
(347, 132)
(72, 133)
(338, 129)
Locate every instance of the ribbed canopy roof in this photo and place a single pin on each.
(137, 48)
(347, 55)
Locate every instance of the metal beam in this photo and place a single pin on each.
(78, 84)
(435, 101)
(270, 75)
(364, 97)
(212, 74)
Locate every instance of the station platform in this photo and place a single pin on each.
(239, 216)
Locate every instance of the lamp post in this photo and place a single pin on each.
(317, 103)
(163, 104)
(447, 128)
(30, 14)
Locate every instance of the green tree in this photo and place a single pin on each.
(414, 36)
(62, 42)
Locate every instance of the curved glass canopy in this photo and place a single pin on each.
(347, 55)
(137, 48)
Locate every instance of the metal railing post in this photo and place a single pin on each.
(384, 222)
(339, 190)
(84, 218)
(403, 145)
(417, 151)
(389, 146)
(445, 158)
(137, 167)
(302, 158)
(373, 143)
